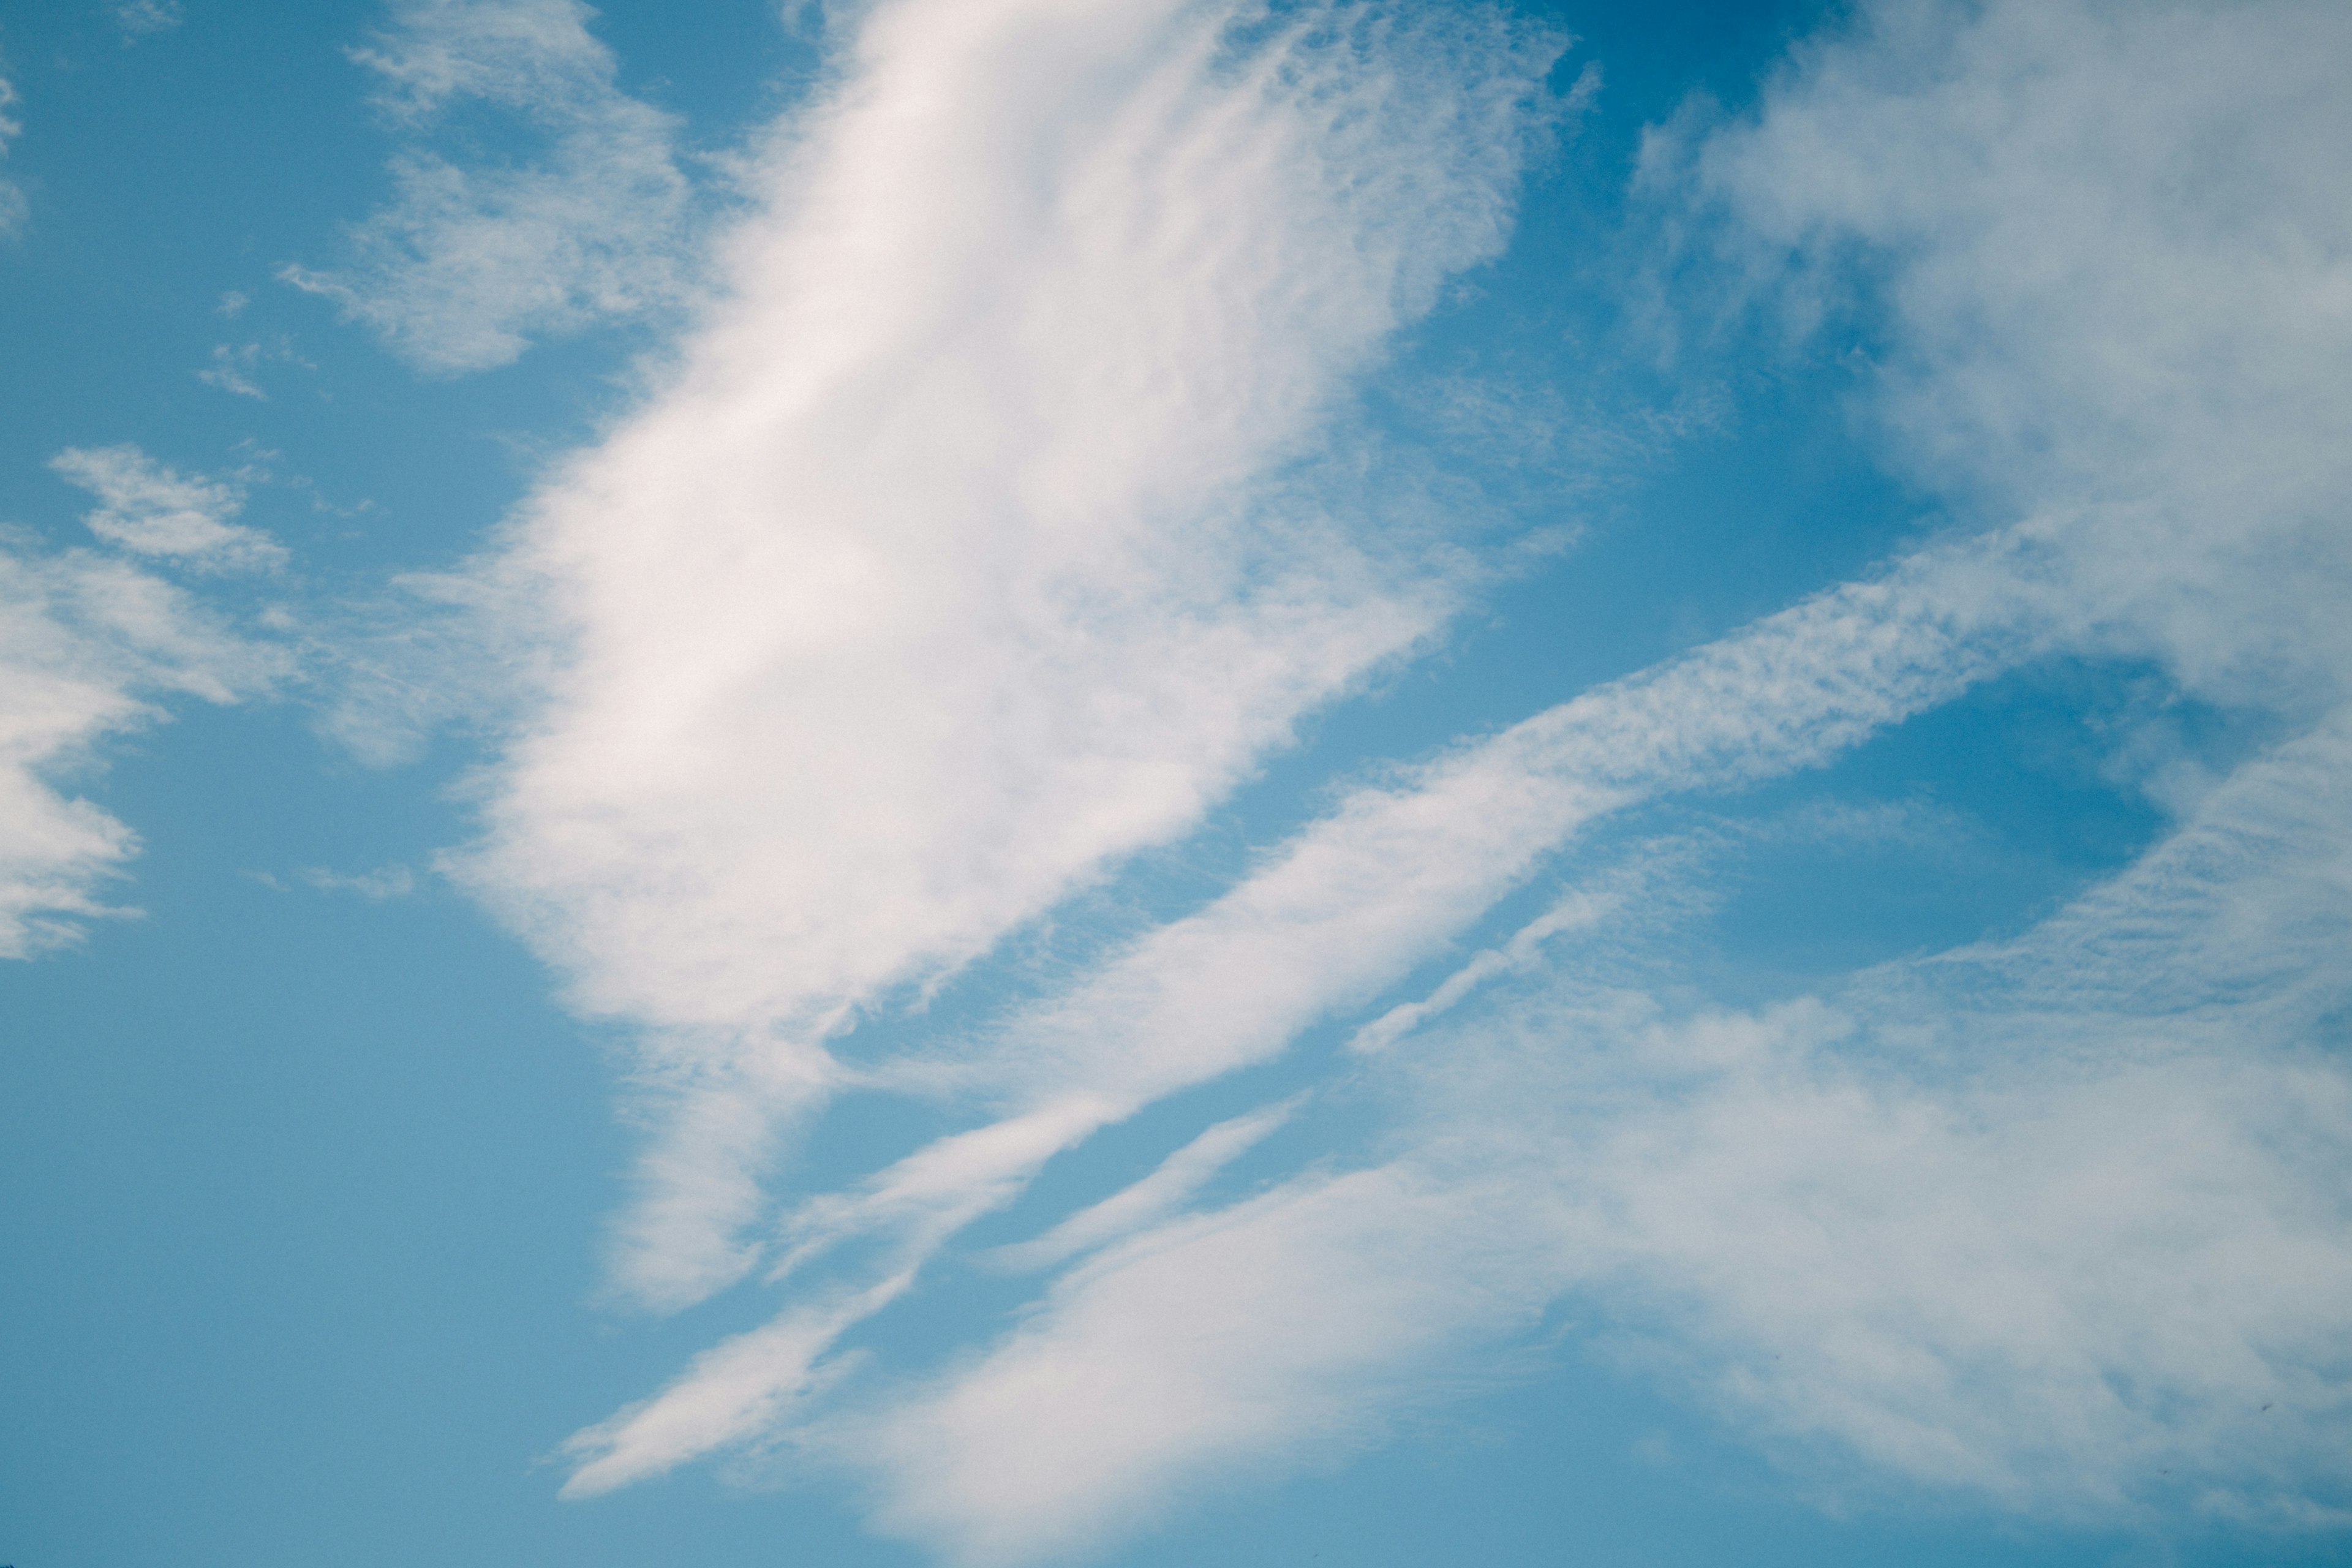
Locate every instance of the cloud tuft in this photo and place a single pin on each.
(149, 509)
(469, 264)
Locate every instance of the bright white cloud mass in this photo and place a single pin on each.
(873, 715)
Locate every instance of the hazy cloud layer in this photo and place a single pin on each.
(473, 259)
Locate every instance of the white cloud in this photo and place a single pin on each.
(2064, 1221)
(758, 1384)
(1580, 909)
(980, 535)
(12, 196)
(2074, 1237)
(1922, 1220)
(144, 18)
(2116, 273)
(747, 1388)
(234, 368)
(89, 643)
(469, 263)
(1348, 908)
(86, 643)
(149, 509)
(997, 537)
(1359, 898)
(1170, 1186)
(1225, 1350)
(230, 371)
(376, 886)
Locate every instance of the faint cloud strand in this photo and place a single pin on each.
(375, 887)
(145, 18)
(12, 197)
(232, 368)
(470, 262)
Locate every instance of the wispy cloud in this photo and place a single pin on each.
(996, 518)
(1223, 1349)
(1916, 1218)
(2062, 1221)
(12, 196)
(2131, 319)
(151, 510)
(985, 532)
(376, 886)
(87, 643)
(471, 261)
(1173, 1184)
(145, 18)
(234, 368)
(2056, 1288)
(1359, 899)
(230, 371)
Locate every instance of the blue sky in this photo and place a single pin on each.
(1003, 782)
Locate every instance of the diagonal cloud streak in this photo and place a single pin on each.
(1359, 899)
